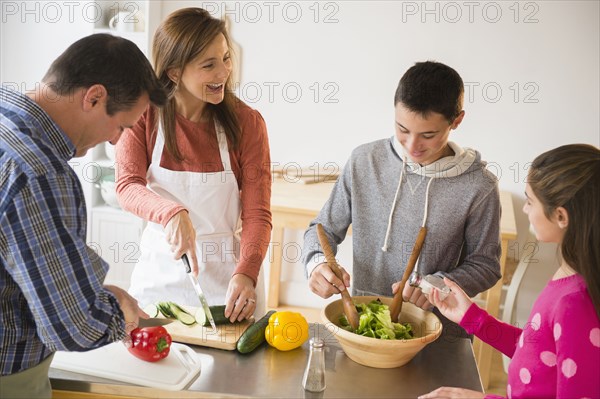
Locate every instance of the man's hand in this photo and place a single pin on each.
(131, 310)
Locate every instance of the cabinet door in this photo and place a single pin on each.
(116, 237)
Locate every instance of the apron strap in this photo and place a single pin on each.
(221, 138)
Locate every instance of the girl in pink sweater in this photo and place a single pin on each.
(557, 353)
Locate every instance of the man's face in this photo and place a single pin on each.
(425, 139)
(104, 127)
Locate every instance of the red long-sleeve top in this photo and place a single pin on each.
(198, 145)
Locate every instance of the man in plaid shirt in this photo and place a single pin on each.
(52, 295)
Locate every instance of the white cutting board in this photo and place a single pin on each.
(114, 361)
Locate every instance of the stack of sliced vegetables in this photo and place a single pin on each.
(172, 310)
(375, 322)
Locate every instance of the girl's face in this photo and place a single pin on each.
(203, 79)
(546, 230)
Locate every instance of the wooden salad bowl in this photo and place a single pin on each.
(380, 353)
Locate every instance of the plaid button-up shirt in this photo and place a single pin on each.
(51, 293)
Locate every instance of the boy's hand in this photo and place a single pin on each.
(413, 295)
(324, 282)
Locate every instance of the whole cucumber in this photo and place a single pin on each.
(254, 335)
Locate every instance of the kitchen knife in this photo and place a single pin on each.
(199, 292)
(153, 322)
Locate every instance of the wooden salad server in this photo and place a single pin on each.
(396, 306)
(349, 307)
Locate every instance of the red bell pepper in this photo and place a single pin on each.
(150, 343)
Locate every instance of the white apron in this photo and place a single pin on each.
(214, 206)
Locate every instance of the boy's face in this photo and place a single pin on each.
(425, 139)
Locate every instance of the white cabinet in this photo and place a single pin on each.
(112, 232)
(133, 20)
(115, 237)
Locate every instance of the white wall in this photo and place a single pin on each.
(33, 34)
(531, 70)
(542, 56)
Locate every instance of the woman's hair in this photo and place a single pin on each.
(569, 177)
(180, 38)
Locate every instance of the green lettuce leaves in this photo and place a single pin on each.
(375, 322)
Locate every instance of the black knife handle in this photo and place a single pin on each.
(186, 262)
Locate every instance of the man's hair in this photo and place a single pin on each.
(431, 87)
(111, 61)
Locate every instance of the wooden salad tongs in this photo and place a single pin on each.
(349, 307)
(396, 306)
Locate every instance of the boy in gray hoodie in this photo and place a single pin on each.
(390, 188)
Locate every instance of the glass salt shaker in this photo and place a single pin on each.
(429, 283)
(314, 375)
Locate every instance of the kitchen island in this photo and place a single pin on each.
(269, 373)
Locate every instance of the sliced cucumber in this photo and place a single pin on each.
(152, 310)
(181, 314)
(165, 309)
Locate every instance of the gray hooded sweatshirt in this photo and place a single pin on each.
(387, 199)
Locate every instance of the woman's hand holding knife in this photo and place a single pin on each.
(181, 236)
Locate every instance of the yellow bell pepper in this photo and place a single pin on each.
(286, 330)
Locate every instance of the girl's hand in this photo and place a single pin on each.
(449, 392)
(240, 300)
(456, 303)
(181, 236)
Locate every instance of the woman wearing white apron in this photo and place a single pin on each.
(206, 176)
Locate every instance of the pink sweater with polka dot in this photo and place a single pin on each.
(557, 354)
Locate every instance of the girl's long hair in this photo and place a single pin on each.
(569, 177)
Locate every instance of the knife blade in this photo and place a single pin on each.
(153, 322)
(199, 292)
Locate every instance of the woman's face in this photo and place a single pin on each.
(546, 230)
(203, 79)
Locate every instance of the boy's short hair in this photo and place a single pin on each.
(431, 87)
(115, 63)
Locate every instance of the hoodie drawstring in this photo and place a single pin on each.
(389, 226)
(426, 201)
